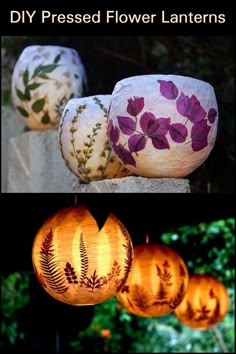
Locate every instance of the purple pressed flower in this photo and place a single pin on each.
(113, 133)
(137, 142)
(124, 155)
(199, 134)
(190, 108)
(127, 125)
(160, 142)
(178, 132)
(212, 115)
(168, 89)
(151, 125)
(135, 105)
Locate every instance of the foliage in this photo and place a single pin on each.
(114, 330)
(15, 295)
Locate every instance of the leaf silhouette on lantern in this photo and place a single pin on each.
(113, 275)
(70, 274)
(182, 272)
(93, 282)
(52, 274)
(216, 314)
(168, 89)
(165, 275)
(84, 259)
(189, 313)
(125, 289)
(203, 313)
(161, 294)
(178, 298)
(140, 297)
(128, 264)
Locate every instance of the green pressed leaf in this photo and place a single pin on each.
(27, 94)
(37, 70)
(43, 76)
(26, 77)
(57, 58)
(48, 68)
(23, 112)
(21, 95)
(38, 105)
(33, 86)
(45, 119)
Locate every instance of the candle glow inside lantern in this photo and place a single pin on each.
(157, 282)
(83, 141)
(77, 263)
(205, 303)
(45, 77)
(162, 125)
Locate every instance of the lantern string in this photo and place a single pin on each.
(220, 339)
(76, 199)
(147, 238)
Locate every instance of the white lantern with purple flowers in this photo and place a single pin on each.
(162, 125)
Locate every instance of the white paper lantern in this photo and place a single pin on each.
(162, 125)
(43, 80)
(83, 140)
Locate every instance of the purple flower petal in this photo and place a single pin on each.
(168, 89)
(135, 105)
(190, 108)
(178, 132)
(212, 115)
(160, 142)
(199, 134)
(113, 133)
(151, 125)
(137, 142)
(127, 125)
(124, 155)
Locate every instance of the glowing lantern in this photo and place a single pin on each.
(157, 282)
(45, 77)
(205, 304)
(77, 263)
(162, 125)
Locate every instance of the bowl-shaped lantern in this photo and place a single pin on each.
(162, 125)
(205, 303)
(77, 263)
(83, 141)
(157, 282)
(45, 77)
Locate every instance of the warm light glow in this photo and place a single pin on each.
(79, 264)
(157, 282)
(205, 304)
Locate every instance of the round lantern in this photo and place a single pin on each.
(157, 282)
(162, 125)
(83, 141)
(77, 263)
(205, 304)
(43, 80)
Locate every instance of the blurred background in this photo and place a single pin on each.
(108, 59)
(200, 228)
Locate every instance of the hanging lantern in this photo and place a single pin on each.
(45, 77)
(162, 125)
(157, 282)
(77, 263)
(83, 141)
(205, 303)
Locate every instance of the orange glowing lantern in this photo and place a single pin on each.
(79, 264)
(205, 304)
(157, 282)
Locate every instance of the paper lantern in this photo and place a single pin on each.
(157, 282)
(162, 125)
(43, 80)
(83, 141)
(77, 263)
(205, 303)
